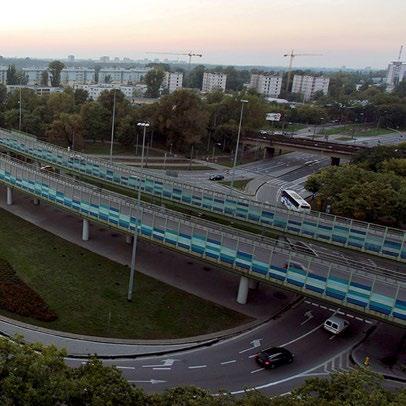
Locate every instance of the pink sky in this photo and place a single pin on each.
(355, 33)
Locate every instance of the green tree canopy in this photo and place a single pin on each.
(55, 69)
(153, 80)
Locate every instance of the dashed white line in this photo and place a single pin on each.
(252, 356)
(350, 315)
(257, 370)
(228, 362)
(368, 321)
(161, 369)
(118, 367)
(342, 313)
(197, 366)
(323, 307)
(359, 318)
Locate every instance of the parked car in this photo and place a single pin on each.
(216, 177)
(336, 325)
(274, 357)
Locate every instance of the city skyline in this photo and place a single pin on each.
(354, 34)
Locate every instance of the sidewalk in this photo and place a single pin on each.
(384, 350)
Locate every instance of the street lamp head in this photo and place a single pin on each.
(244, 101)
(143, 124)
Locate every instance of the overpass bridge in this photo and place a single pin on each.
(334, 150)
(371, 290)
(369, 238)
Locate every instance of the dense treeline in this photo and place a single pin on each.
(371, 188)
(37, 375)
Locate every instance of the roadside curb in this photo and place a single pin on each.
(174, 345)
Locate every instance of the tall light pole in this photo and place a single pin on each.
(134, 250)
(20, 108)
(112, 126)
(238, 143)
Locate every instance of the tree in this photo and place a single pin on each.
(400, 89)
(80, 96)
(66, 130)
(153, 80)
(58, 103)
(96, 121)
(44, 78)
(3, 96)
(55, 69)
(194, 79)
(181, 118)
(12, 78)
(107, 79)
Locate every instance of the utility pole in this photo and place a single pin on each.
(238, 142)
(139, 216)
(112, 126)
(20, 110)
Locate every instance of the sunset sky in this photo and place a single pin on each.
(355, 33)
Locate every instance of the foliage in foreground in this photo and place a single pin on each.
(38, 375)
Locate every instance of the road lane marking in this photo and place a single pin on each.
(252, 356)
(119, 367)
(350, 315)
(254, 344)
(359, 318)
(197, 366)
(257, 370)
(151, 381)
(165, 363)
(161, 369)
(228, 362)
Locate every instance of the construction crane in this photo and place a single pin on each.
(190, 54)
(400, 53)
(291, 56)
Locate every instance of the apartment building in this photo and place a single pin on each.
(3, 75)
(396, 73)
(214, 81)
(39, 90)
(308, 85)
(72, 76)
(173, 81)
(34, 75)
(122, 76)
(96, 90)
(267, 84)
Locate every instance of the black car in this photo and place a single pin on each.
(216, 177)
(274, 357)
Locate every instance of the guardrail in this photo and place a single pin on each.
(370, 238)
(381, 293)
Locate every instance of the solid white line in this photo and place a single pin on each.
(350, 315)
(198, 367)
(359, 318)
(315, 304)
(161, 369)
(332, 338)
(228, 362)
(252, 356)
(257, 370)
(125, 367)
(368, 321)
(323, 307)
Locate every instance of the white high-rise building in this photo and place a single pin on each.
(122, 76)
(34, 75)
(396, 73)
(95, 91)
(173, 81)
(214, 81)
(308, 85)
(3, 75)
(268, 84)
(72, 76)
(71, 58)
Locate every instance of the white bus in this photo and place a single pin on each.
(293, 201)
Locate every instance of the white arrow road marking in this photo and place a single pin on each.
(309, 316)
(152, 381)
(165, 363)
(254, 344)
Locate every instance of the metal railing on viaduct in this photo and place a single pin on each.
(357, 235)
(375, 291)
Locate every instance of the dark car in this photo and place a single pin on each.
(216, 177)
(274, 357)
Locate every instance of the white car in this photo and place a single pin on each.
(336, 325)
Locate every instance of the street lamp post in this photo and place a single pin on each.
(112, 126)
(238, 142)
(20, 110)
(134, 249)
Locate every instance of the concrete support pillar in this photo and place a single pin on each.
(36, 201)
(253, 284)
(128, 239)
(9, 196)
(85, 230)
(335, 161)
(243, 290)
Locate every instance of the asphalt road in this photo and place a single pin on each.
(230, 365)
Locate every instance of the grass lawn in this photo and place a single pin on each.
(88, 292)
(357, 131)
(295, 127)
(238, 184)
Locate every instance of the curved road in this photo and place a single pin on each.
(229, 365)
